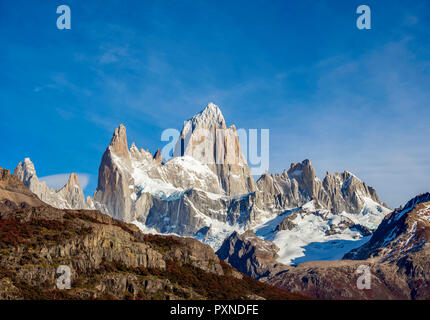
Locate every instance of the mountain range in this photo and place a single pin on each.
(193, 195)
(279, 228)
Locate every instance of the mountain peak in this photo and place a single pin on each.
(206, 138)
(403, 231)
(72, 193)
(421, 198)
(73, 180)
(211, 107)
(28, 161)
(158, 157)
(25, 170)
(118, 144)
(302, 168)
(120, 132)
(208, 118)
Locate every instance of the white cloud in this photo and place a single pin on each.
(57, 181)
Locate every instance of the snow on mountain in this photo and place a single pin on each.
(371, 214)
(310, 233)
(404, 231)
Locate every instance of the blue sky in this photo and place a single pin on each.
(344, 98)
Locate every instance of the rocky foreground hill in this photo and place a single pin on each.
(109, 259)
(397, 255)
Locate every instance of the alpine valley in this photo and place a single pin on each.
(291, 229)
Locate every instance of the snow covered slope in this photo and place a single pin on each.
(404, 231)
(308, 233)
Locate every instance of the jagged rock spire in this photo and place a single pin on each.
(305, 174)
(72, 182)
(206, 138)
(337, 192)
(209, 117)
(118, 144)
(25, 171)
(113, 191)
(158, 157)
(72, 193)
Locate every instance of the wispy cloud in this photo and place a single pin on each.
(60, 82)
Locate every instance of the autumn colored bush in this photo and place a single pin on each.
(218, 287)
(12, 232)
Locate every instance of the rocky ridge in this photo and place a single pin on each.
(339, 192)
(249, 254)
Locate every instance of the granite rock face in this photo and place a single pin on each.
(113, 190)
(72, 193)
(206, 138)
(188, 193)
(158, 157)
